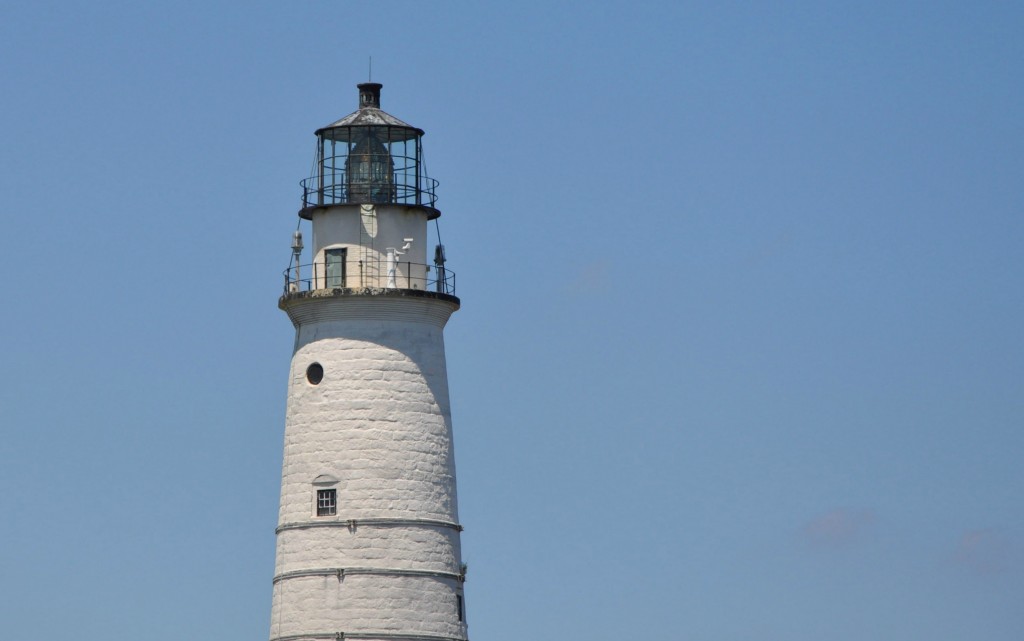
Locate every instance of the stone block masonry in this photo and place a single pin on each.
(377, 430)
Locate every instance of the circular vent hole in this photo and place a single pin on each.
(315, 373)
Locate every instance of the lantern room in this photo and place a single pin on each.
(369, 157)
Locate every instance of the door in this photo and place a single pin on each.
(335, 268)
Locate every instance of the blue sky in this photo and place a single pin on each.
(740, 353)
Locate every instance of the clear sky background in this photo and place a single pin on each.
(740, 354)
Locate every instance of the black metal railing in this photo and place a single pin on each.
(372, 274)
(334, 189)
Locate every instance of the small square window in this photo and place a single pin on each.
(326, 502)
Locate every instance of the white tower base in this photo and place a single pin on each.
(376, 429)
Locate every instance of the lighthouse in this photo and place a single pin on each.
(368, 535)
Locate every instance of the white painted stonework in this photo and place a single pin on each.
(377, 429)
(367, 232)
(343, 227)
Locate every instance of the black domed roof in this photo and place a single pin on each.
(369, 115)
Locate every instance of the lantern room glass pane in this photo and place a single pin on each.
(368, 164)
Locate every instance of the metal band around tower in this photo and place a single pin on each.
(352, 524)
(334, 636)
(343, 572)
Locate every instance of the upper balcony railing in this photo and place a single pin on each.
(336, 189)
(374, 274)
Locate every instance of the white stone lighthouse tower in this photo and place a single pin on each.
(368, 533)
